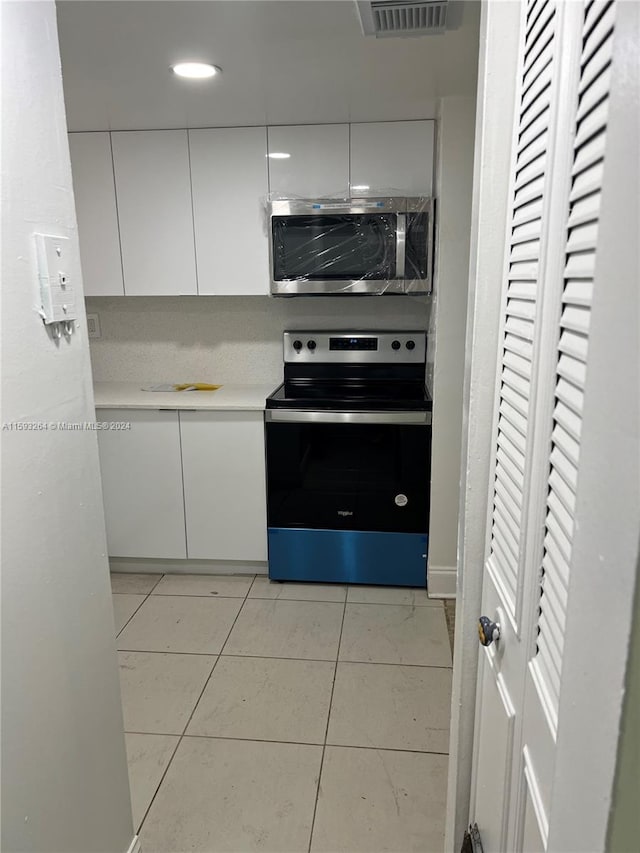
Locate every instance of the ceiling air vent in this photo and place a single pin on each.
(401, 18)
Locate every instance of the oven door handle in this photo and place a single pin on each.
(291, 416)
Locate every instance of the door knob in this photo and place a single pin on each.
(488, 631)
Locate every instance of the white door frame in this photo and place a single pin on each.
(499, 31)
(607, 538)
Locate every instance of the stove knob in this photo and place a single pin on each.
(297, 345)
(411, 344)
(395, 345)
(311, 345)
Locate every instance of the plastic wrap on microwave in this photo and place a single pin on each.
(372, 245)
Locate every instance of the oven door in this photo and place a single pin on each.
(348, 495)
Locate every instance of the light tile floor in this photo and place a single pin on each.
(283, 717)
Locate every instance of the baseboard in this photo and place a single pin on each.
(441, 581)
(188, 567)
(135, 847)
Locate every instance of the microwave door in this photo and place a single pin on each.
(336, 252)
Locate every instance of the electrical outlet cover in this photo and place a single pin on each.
(93, 325)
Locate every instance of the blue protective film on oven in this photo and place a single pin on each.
(347, 556)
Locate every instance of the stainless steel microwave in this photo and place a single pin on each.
(358, 246)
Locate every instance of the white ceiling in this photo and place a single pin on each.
(284, 62)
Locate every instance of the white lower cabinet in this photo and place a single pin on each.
(184, 484)
(142, 483)
(224, 485)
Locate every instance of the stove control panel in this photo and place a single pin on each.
(334, 347)
(353, 344)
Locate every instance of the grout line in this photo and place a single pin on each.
(298, 600)
(326, 731)
(395, 663)
(279, 598)
(153, 734)
(166, 769)
(215, 664)
(390, 748)
(431, 604)
(246, 598)
(143, 594)
(298, 742)
(208, 678)
(137, 608)
(169, 652)
(436, 602)
(180, 737)
(156, 583)
(276, 657)
(195, 595)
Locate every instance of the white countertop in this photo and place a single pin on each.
(128, 395)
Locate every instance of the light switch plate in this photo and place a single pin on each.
(57, 293)
(93, 325)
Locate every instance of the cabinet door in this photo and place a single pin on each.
(95, 196)
(224, 485)
(229, 183)
(318, 162)
(392, 156)
(142, 484)
(153, 189)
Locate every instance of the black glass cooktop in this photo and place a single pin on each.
(355, 395)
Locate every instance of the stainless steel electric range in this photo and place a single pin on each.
(348, 443)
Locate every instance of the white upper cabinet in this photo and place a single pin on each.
(95, 197)
(393, 155)
(153, 204)
(230, 183)
(153, 190)
(318, 161)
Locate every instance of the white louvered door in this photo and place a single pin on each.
(557, 164)
(576, 206)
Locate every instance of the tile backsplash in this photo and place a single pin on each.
(226, 338)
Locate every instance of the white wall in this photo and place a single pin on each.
(225, 338)
(445, 369)
(64, 773)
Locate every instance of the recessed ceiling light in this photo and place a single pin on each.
(195, 70)
(360, 186)
(279, 155)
